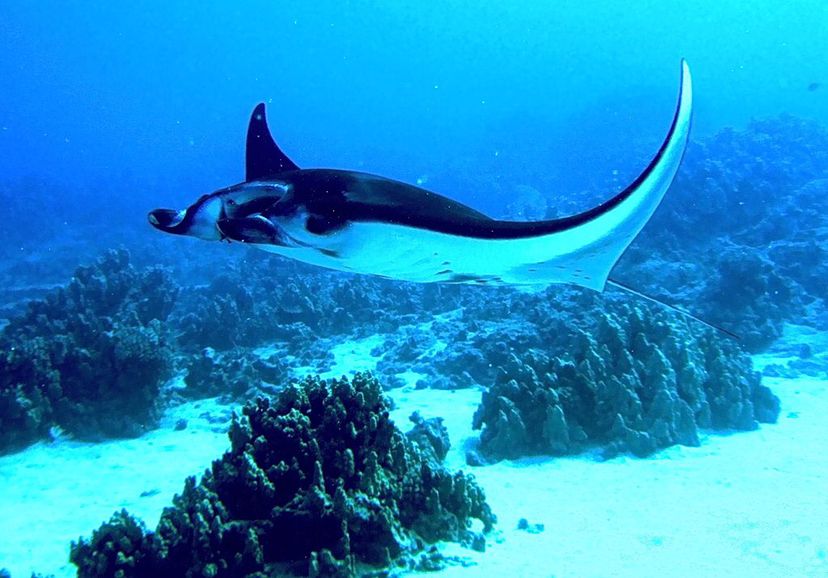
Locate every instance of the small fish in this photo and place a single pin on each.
(814, 86)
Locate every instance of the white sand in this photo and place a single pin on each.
(748, 504)
(51, 494)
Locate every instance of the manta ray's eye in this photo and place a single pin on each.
(231, 202)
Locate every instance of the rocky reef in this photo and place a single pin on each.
(636, 381)
(234, 375)
(740, 238)
(318, 482)
(297, 306)
(90, 358)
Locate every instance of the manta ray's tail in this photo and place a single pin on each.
(682, 312)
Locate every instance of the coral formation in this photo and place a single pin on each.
(118, 548)
(636, 382)
(249, 305)
(236, 374)
(90, 358)
(431, 436)
(318, 482)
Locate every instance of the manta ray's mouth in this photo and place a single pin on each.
(165, 219)
(256, 229)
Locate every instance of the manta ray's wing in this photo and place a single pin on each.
(378, 216)
(264, 157)
(581, 249)
(592, 242)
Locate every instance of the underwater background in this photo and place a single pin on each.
(356, 426)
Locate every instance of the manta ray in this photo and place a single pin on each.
(363, 223)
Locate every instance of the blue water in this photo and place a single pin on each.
(149, 101)
(111, 109)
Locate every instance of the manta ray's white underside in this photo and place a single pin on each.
(581, 255)
(419, 255)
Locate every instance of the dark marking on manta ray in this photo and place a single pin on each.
(459, 278)
(463, 278)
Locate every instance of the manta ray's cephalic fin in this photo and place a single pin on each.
(264, 158)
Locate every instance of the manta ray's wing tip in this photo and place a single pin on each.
(686, 80)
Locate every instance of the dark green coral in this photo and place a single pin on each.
(318, 481)
(116, 549)
(89, 358)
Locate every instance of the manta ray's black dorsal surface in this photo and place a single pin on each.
(369, 224)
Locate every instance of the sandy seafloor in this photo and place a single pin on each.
(745, 504)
